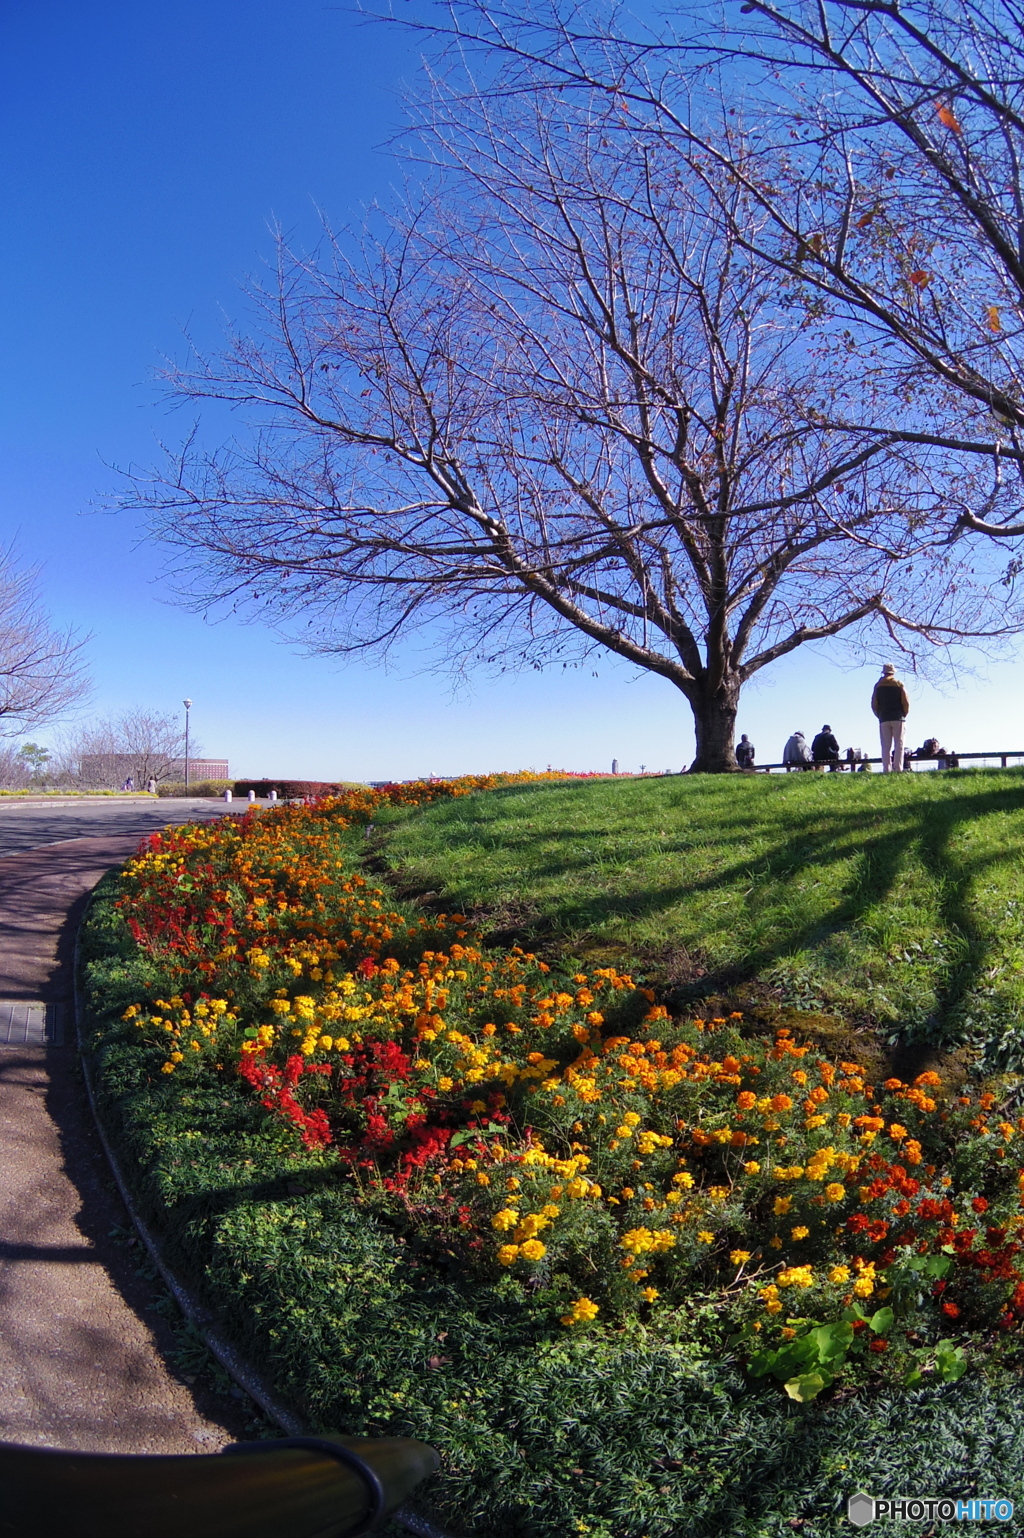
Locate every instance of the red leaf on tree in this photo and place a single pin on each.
(947, 119)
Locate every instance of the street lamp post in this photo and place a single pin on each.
(188, 706)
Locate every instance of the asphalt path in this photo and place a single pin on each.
(30, 826)
(86, 1357)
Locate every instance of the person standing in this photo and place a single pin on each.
(890, 704)
(745, 752)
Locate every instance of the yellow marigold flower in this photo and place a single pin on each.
(739, 1257)
(839, 1274)
(508, 1254)
(775, 1243)
(796, 1276)
(752, 1167)
(685, 1179)
(650, 1293)
(177, 1057)
(326, 1042)
(705, 1237)
(834, 1192)
(718, 1193)
(799, 1232)
(550, 1211)
(811, 1122)
(482, 1179)
(897, 1133)
(531, 1225)
(864, 1287)
(533, 1250)
(581, 1312)
(445, 1083)
(504, 1219)
(631, 1119)
(773, 1306)
(782, 1205)
(167, 1068)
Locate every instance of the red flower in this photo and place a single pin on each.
(952, 1310)
(879, 1345)
(980, 1204)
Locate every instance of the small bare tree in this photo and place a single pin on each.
(143, 744)
(560, 409)
(42, 670)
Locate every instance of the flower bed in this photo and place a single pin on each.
(572, 1161)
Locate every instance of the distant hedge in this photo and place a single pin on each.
(287, 789)
(210, 788)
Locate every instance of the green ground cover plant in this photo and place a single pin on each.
(371, 1284)
(892, 900)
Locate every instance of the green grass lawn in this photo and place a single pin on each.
(896, 900)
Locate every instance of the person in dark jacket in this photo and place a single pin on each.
(825, 749)
(745, 752)
(890, 704)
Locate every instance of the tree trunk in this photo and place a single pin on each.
(714, 719)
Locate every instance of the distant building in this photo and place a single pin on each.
(110, 770)
(200, 769)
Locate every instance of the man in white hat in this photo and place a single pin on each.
(890, 704)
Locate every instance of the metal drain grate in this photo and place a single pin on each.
(29, 1023)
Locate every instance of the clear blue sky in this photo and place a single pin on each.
(144, 151)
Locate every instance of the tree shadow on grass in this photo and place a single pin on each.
(878, 842)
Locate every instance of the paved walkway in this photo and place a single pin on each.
(82, 1354)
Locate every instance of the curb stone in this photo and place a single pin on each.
(235, 1365)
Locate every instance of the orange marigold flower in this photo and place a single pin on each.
(746, 1100)
(781, 1103)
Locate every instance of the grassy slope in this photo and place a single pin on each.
(894, 898)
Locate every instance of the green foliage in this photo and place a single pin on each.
(211, 789)
(892, 899)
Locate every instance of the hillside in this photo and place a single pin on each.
(894, 900)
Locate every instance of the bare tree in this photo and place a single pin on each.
(882, 145)
(42, 670)
(556, 409)
(144, 744)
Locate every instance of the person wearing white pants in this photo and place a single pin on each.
(890, 704)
